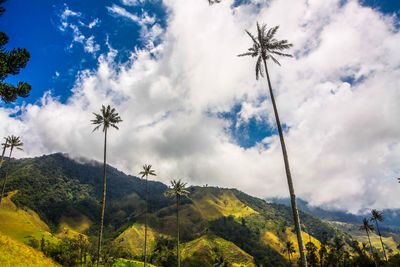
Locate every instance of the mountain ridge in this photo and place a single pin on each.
(66, 193)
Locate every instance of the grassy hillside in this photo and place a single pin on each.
(213, 203)
(22, 224)
(214, 222)
(206, 250)
(56, 186)
(278, 241)
(17, 254)
(388, 241)
(133, 239)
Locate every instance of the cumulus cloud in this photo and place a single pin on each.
(338, 98)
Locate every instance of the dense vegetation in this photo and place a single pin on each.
(11, 62)
(57, 187)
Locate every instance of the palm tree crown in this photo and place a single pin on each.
(147, 171)
(178, 189)
(265, 47)
(107, 118)
(289, 247)
(14, 142)
(4, 145)
(376, 215)
(211, 2)
(366, 226)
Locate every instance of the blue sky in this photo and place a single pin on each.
(192, 108)
(53, 66)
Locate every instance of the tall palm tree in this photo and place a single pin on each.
(378, 216)
(368, 228)
(265, 47)
(4, 145)
(14, 142)
(145, 173)
(289, 249)
(108, 117)
(178, 190)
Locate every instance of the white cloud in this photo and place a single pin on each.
(94, 23)
(342, 138)
(132, 2)
(89, 44)
(150, 31)
(120, 11)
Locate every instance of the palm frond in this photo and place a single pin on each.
(376, 215)
(366, 226)
(259, 68)
(271, 32)
(108, 117)
(274, 60)
(6, 143)
(177, 189)
(246, 54)
(265, 46)
(147, 171)
(15, 142)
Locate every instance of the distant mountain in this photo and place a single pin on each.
(391, 216)
(216, 223)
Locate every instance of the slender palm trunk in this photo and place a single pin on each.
(370, 248)
(177, 220)
(321, 258)
(5, 176)
(380, 236)
(145, 227)
(103, 202)
(2, 154)
(288, 176)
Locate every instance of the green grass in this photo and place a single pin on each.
(213, 206)
(361, 236)
(130, 263)
(22, 224)
(15, 253)
(210, 246)
(133, 239)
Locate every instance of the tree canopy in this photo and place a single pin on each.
(11, 62)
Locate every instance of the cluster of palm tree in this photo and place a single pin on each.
(10, 142)
(369, 228)
(264, 47)
(177, 191)
(109, 117)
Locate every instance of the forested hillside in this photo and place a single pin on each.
(216, 224)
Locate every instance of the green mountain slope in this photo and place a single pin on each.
(65, 193)
(17, 254)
